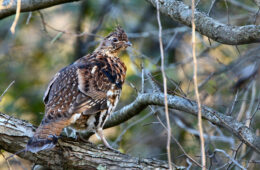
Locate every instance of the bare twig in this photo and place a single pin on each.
(142, 81)
(234, 155)
(229, 157)
(45, 25)
(250, 55)
(242, 5)
(29, 18)
(211, 6)
(6, 90)
(233, 104)
(256, 109)
(6, 6)
(164, 89)
(242, 106)
(119, 138)
(171, 40)
(251, 104)
(256, 15)
(227, 11)
(148, 34)
(200, 127)
(179, 145)
(221, 138)
(12, 29)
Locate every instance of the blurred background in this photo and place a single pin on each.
(48, 40)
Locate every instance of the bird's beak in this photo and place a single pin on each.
(128, 44)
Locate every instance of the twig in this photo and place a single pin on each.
(197, 3)
(148, 34)
(242, 5)
(256, 109)
(29, 18)
(234, 155)
(12, 29)
(248, 56)
(6, 90)
(119, 138)
(43, 21)
(211, 6)
(164, 89)
(242, 106)
(238, 50)
(171, 40)
(256, 15)
(142, 81)
(203, 161)
(179, 145)
(228, 156)
(227, 11)
(251, 104)
(45, 24)
(248, 112)
(221, 138)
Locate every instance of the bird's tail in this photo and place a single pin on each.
(46, 136)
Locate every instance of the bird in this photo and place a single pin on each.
(84, 94)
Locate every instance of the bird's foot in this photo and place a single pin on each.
(80, 137)
(70, 133)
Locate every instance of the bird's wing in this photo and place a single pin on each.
(86, 87)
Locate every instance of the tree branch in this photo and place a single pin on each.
(78, 154)
(245, 134)
(8, 7)
(68, 154)
(177, 10)
(227, 34)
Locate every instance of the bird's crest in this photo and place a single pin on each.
(115, 42)
(119, 33)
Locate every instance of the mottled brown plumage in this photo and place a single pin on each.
(83, 94)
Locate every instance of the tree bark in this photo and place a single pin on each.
(226, 34)
(14, 134)
(8, 7)
(177, 10)
(68, 154)
(239, 129)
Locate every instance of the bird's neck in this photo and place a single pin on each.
(107, 53)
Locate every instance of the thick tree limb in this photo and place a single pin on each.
(69, 154)
(226, 34)
(8, 7)
(245, 134)
(14, 134)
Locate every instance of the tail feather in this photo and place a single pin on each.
(46, 136)
(37, 144)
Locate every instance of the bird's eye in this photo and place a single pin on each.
(114, 39)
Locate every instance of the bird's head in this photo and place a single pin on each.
(115, 42)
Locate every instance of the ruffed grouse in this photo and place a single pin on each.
(83, 94)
